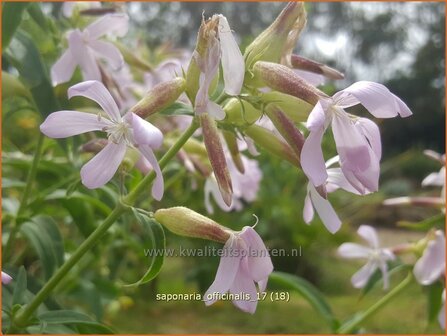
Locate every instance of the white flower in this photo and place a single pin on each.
(431, 266)
(376, 257)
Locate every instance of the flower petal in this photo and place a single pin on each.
(353, 251)
(441, 316)
(262, 285)
(100, 170)
(6, 278)
(336, 179)
(435, 179)
(371, 132)
(312, 160)
(317, 117)
(63, 124)
(432, 263)
(63, 69)
(369, 234)
(109, 52)
(83, 56)
(116, 24)
(360, 279)
(244, 286)
(325, 211)
(226, 272)
(233, 65)
(144, 132)
(384, 269)
(211, 188)
(158, 185)
(375, 97)
(259, 263)
(215, 110)
(97, 92)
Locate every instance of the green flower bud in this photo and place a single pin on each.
(159, 97)
(240, 112)
(295, 108)
(188, 223)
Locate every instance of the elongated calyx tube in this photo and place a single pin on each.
(188, 223)
(306, 64)
(159, 97)
(283, 79)
(279, 38)
(240, 113)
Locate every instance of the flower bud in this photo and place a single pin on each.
(131, 58)
(240, 113)
(230, 139)
(283, 79)
(286, 128)
(185, 222)
(279, 38)
(270, 142)
(217, 157)
(305, 64)
(196, 152)
(295, 108)
(159, 97)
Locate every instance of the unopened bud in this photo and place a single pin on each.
(231, 140)
(279, 38)
(430, 202)
(305, 64)
(217, 157)
(286, 128)
(159, 97)
(295, 108)
(240, 113)
(185, 222)
(283, 79)
(131, 58)
(271, 143)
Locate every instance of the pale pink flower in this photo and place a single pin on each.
(85, 48)
(244, 269)
(431, 266)
(222, 48)
(357, 139)
(441, 315)
(245, 186)
(6, 278)
(314, 200)
(376, 257)
(123, 131)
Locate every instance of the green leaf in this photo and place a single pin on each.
(157, 240)
(20, 286)
(11, 17)
(62, 195)
(308, 291)
(25, 57)
(13, 87)
(45, 238)
(434, 300)
(38, 16)
(178, 109)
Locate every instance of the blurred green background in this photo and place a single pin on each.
(398, 44)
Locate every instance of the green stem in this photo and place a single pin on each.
(24, 200)
(23, 316)
(348, 327)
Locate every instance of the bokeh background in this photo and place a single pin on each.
(398, 44)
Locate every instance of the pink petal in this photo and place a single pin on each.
(369, 234)
(215, 110)
(317, 118)
(116, 24)
(144, 132)
(244, 286)
(211, 188)
(310, 77)
(83, 56)
(63, 124)
(109, 52)
(431, 265)
(226, 272)
(312, 160)
(441, 316)
(308, 210)
(371, 132)
(100, 170)
(143, 165)
(6, 278)
(233, 64)
(262, 285)
(376, 98)
(324, 209)
(353, 251)
(158, 185)
(435, 179)
(336, 179)
(63, 69)
(259, 263)
(97, 92)
(360, 279)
